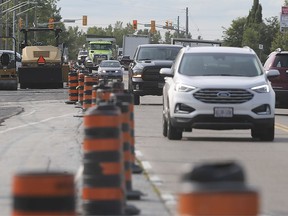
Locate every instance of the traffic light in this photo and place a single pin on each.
(170, 25)
(135, 24)
(84, 20)
(20, 23)
(51, 23)
(166, 24)
(153, 27)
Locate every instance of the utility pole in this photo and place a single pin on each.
(178, 26)
(13, 25)
(187, 23)
(1, 23)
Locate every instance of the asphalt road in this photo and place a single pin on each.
(41, 132)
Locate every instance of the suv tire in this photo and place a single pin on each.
(264, 134)
(173, 133)
(164, 126)
(136, 99)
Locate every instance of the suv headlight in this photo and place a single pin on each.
(179, 87)
(261, 89)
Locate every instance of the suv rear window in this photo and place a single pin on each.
(219, 64)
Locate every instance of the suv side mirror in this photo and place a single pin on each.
(272, 73)
(5, 59)
(166, 72)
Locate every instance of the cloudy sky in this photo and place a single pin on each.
(207, 18)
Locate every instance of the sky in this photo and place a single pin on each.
(206, 18)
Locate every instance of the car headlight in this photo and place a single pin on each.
(102, 71)
(137, 71)
(179, 87)
(261, 89)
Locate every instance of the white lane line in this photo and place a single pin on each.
(29, 113)
(169, 199)
(138, 153)
(34, 123)
(156, 180)
(146, 165)
(79, 173)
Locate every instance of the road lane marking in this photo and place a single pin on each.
(169, 199)
(156, 180)
(281, 127)
(35, 123)
(29, 113)
(79, 173)
(146, 165)
(138, 153)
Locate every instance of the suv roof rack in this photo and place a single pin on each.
(278, 49)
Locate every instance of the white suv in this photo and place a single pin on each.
(218, 88)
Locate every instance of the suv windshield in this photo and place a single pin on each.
(219, 64)
(158, 53)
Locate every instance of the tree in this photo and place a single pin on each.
(233, 36)
(255, 14)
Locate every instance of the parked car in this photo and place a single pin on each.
(110, 70)
(144, 77)
(218, 88)
(12, 57)
(279, 60)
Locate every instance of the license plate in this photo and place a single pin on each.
(160, 85)
(223, 112)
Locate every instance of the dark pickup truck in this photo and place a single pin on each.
(144, 76)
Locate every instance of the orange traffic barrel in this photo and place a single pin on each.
(217, 189)
(127, 97)
(117, 87)
(89, 81)
(126, 138)
(72, 85)
(43, 194)
(104, 93)
(103, 184)
(80, 88)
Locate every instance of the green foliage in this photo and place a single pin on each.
(233, 36)
(252, 31)
(281, 41)
(255, 14)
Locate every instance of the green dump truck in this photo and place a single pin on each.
(99, 48)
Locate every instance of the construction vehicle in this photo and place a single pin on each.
(100, 48)
(8, 68)
(41, 64)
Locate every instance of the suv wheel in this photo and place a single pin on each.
(173, 133)
(136, 99)
(164, 126)
(264, 134)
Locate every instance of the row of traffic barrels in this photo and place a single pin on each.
(207, 189)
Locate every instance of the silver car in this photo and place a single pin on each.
(218, 88)
(110, 70)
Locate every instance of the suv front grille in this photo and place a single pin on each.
(152, 74)
(223, 96)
